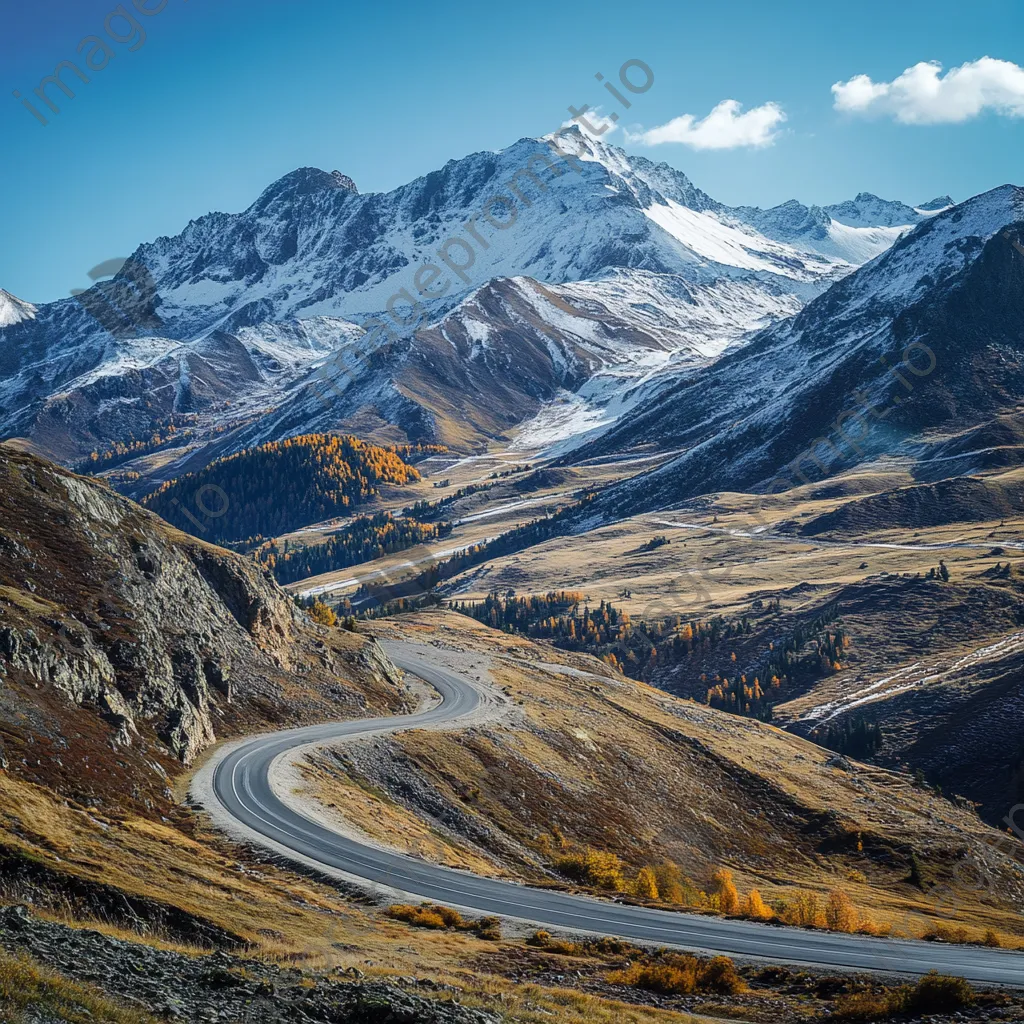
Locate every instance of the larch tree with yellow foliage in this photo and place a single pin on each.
(754, 906)
(646, 885)
(725, 890)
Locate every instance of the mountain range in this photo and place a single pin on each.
(706, 490)
(618, 281)
(917, 356)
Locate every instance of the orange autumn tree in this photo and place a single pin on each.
(725, 890)
(754, 906)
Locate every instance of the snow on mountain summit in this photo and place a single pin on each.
(312, 246)
(305, 181)
(13, 310)
(942, 301)
(869, 211)
(636, 274)
(942, 245)
(856, 230)
(936, 205)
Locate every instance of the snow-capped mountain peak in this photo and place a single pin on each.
(14, 310)
(856, 230)
(944, 244)
(612, 268)
(937, 205)
(913, 347)
(869, 211)
(311, 246)
(305, 181)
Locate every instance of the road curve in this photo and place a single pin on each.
(236, 787)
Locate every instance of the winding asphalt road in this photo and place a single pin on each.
(238, 785)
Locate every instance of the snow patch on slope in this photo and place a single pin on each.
(694, 325)
(863, 244)
(942, 246)
(13, 310)
(712, 239)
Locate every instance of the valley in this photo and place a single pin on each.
(580, 732)
(634, 634)
(922, 649)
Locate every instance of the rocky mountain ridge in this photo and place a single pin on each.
(923, 343)
(166, 642)
(252, 324)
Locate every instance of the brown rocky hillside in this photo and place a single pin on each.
(127, 647)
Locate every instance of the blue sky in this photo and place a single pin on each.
(222, 98)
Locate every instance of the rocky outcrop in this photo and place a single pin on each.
(153, 634)
(105, 607)
(249, 593)
(86, 677)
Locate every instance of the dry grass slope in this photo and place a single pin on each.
(595, 766)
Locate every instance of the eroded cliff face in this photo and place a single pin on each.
(166, 642)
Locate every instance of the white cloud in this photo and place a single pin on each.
(922, 95)
(593, 119)
(724, 128)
